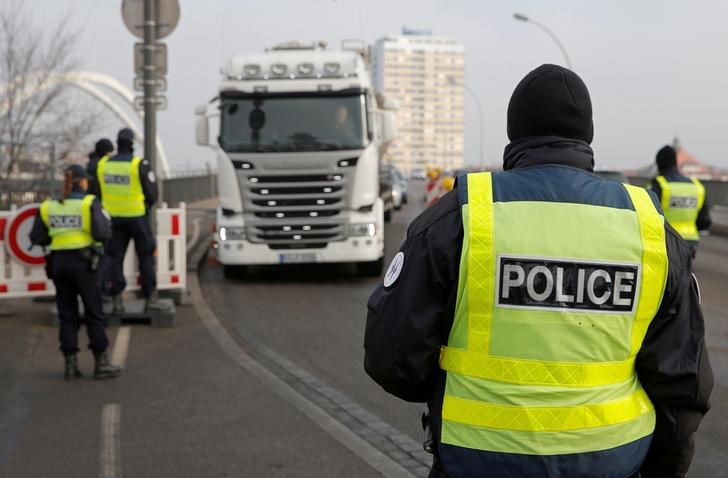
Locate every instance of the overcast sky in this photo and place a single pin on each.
(656, 69)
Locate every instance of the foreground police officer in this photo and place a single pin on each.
(128, 191)
(71, 226)
(682, 198)
(548, 317)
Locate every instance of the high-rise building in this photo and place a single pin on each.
(425, 74)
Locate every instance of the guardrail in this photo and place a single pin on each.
(716, 191)
(182, 186)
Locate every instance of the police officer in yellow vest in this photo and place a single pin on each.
(682, 198)
(547, 317)
(72, 226)
(128, 191)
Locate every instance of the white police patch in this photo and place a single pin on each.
(152, 178)
(394, 269)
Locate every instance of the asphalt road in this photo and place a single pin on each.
(189, 407)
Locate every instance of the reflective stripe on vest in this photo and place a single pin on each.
(554, 300)
(681, 202)
(121, 188)
(69, 224)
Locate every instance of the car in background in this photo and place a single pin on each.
(418, 174)
(394, 179)
(612, 176)
(403, 185)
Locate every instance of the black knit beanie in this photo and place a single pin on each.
(666, 158)
(551, 101)
(103, 146)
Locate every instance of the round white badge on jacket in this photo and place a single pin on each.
(394, 269)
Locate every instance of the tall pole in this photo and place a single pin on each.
(150, 107)
(472, 94)
(524, 18)
(480, 123)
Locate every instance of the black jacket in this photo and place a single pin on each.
(100, 223)
(407, 323)
(146, 176)
(703, 220)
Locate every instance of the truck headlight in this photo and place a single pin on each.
(231, 233)
(364, 229)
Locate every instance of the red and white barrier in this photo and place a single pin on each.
(23, 275)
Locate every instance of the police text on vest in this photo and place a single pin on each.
(65, 222)
(566, 284)
(116, 179)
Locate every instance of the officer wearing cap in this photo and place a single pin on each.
(682, 198)
(72, 226)
(128, 191)
(547, 317)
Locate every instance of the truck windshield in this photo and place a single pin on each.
(292, 123)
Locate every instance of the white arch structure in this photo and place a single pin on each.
(92, 83)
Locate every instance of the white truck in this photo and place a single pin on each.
(301, 135)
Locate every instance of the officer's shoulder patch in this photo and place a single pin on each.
(394, 269)
(152, 178)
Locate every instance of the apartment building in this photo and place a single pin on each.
(425, 73)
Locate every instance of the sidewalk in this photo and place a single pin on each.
(185, 408)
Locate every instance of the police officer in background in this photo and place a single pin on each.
(548, 318)
(128, 191)
(103, 147)
(72, 226)
(682, 198)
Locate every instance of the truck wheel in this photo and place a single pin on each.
(234, 272)
(370, 269)
(388, 216)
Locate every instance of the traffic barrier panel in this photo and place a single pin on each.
(22, 276)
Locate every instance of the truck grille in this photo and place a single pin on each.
(295, 211)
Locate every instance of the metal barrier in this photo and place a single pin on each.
(19, 280)
(189, 187)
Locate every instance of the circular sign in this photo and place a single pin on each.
(17, 240)
(132, 11)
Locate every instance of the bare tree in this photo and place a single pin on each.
(29, 57)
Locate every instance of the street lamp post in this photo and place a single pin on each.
(472, 94)
(523, 18)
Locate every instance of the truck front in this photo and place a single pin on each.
(298, 161)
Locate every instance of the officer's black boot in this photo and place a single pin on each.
(72, 371)
(104, 368)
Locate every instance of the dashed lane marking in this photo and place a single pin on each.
(121, 346)
(358, 445)
(110, 450)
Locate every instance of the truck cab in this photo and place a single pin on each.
(299, 144)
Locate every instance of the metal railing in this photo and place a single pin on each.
(184, 186)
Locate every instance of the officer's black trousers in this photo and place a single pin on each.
(123, 230)
(72, 276)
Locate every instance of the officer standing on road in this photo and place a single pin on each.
(103, 147)
(682, 198)
(549, 318)
(72, 226)
(128, 191)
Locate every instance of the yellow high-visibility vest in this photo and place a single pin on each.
(681, 202)
(553, 303)
(121, 188)
(69, 224)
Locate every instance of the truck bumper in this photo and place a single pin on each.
(353, 249)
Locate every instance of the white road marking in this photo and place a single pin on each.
(110, 449)
(121, 346)
(195, 234)
(360, 447)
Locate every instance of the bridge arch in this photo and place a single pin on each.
(93, 84)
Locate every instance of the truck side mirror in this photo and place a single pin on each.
(202, 126)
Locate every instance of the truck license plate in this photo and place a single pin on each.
(297, 258)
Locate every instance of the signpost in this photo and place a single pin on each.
(16, 237)
(150, 20)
